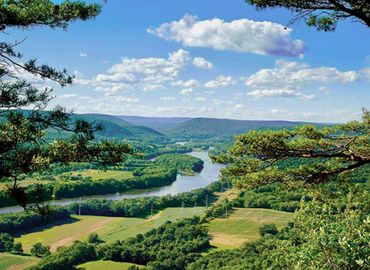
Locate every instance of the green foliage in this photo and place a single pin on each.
(93, 238)
(306, 154)
(171, 246)
(324, 15)
(268, 229)
(17, 248)
(22, 137)
(38, 250)
(6, 242)
(15, 222)
(67, 257)
(183, 163)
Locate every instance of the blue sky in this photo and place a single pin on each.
(206, 58)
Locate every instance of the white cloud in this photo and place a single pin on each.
(200, 99)
(200, 62)
(247, 36)
(167, 98)
(295, 75)
(82, 54)
(66, 96)
(145, 73)
(189, 83)
(282, 93)
(186, 91)
(220, 81)
(152, 87)
(324, 90)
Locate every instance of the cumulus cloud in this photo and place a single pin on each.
(201, 62)
(82, 54)
(282, 93)
(244, 35)
(186, 91)
(167, 98)
(220, 81)
(188, 84)
(147, 74)
(294, 74)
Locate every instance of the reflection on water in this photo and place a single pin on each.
(183, 183)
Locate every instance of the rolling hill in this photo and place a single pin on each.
(211, 127)
(160, 124)
(114, 127)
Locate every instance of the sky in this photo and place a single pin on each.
(202, 58)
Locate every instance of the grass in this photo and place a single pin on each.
(243, 226)
(100, 174)
(98, 265)
(109, 229)
(15, 262)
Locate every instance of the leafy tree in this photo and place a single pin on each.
(325, 14)
(39, 250)
(93, 238)
(17, 248)
(257, 157)
(268, 229)
(23, 148)
(6, 242)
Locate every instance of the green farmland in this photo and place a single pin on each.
(243, 226)
(108, 265)
(109, 229)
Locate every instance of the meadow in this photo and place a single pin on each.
(109, 229)
(242, 225)
(98, 265)
(103, 174)
(16, 262)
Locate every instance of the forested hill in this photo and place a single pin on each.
(115, 127)
(211, 127)
(160, 124)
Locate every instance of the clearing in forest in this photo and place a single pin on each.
(243, 224)
(109, 229)
(98, 265)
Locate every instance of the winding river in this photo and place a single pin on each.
(183, 183)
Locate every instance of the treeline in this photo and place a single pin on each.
(151, 177)
(171, 246)
(142, 206)
(272, 196)
(15, 222)
(183, 163)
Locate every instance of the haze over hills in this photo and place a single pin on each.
(205, 127)
(208, 127)
(160, 124)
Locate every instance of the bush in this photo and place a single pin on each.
(17, 248)
(93, 238)
(6, 242)
(268, 229)
(39, 250)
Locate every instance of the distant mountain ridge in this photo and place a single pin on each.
(160, 124)
(206, 127)
(209, 127)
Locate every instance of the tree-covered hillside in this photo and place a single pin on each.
(212, 127)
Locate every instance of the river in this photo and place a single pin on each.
(183, 183)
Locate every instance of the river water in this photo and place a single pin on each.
(183, 183)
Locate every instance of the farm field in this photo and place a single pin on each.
(98, 265)
(109, 229)
(16, 262)
(101, 174)
(243, 226)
